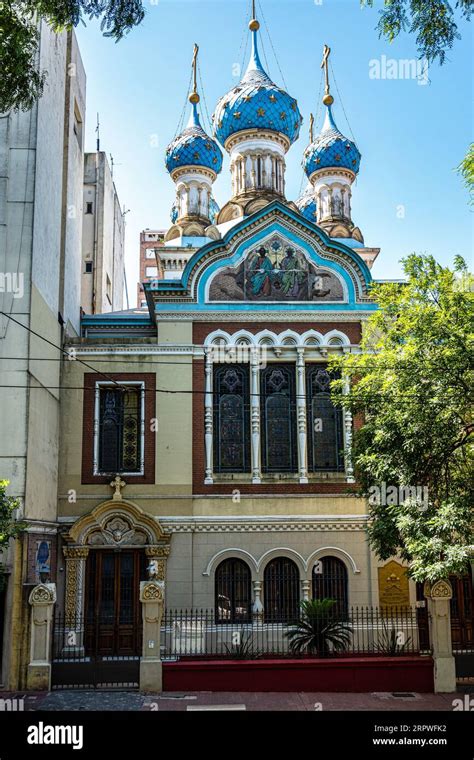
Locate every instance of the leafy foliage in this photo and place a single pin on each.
(466, 169)
(388, 643)
(9, 526)
(413, 384)
(244, 650)
(21, 83)
(433, 22)
(319, 630)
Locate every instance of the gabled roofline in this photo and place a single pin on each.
(181, 287)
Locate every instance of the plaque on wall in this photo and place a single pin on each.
(393, 585)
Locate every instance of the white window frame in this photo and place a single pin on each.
(104, 383)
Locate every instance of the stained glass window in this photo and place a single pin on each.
(277, 404)
(281, 583)
(119, 429)
(325, 441)
(233, 592)
(231, 418)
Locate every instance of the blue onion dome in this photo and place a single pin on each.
(213, 210)
(306, 203)
(331, 149)
(256, 103)
(193, 147)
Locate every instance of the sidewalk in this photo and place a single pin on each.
(251, 701)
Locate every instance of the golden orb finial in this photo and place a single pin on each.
(254, 25)
(194, 98)
(328, 100)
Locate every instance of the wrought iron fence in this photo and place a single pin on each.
(201, 633)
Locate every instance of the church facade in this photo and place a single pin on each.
(199, 434)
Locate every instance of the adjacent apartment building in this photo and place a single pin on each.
(41, 188)
(151, 267)
(103, 238)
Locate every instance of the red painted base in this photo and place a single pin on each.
(348, 674)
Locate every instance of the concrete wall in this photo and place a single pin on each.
(41, 171)
(103, 239)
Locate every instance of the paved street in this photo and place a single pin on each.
(192, 701)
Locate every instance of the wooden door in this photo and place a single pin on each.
(113, 615)
(462, 612)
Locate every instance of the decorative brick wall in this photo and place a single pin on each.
(352, 329)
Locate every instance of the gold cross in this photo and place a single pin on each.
(311, 125)
(195, 54)
(324, 65)
(117, 483)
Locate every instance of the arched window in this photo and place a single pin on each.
(330, 582)
(281, 591)
(325, 441)
(233, 592)
(259, 171)
(279, 448)
(231, 418)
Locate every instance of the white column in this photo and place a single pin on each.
(255, 418)
(305, 588)
(96, 428)
(439, 597)
(208, 413)
(345, 202)
(257, 607)
(347, 433)
(254, 172)
(151, 667)
(301, 413)
(42, 600)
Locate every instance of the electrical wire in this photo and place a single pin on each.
(209, 122)
(271, 44)
(341, 102)
(179, 128)
(123, 387)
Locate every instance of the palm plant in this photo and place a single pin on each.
(321, 628)
(389, 641)
(244, 650)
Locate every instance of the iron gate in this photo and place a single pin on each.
(79, 661)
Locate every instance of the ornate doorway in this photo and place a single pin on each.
(97, 635)
(113, 623)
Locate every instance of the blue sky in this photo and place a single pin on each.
(407, 196)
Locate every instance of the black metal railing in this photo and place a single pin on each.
(194, 633)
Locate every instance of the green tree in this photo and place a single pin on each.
(413, 384)
(21, 82)
(10, 527)
(466, 170)
(433, 22)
